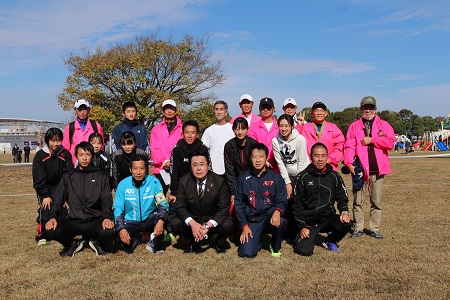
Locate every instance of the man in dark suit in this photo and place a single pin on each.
(202, 207)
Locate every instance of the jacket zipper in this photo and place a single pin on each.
(140, 207)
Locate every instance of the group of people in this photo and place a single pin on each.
(17, 153)
(243, 178)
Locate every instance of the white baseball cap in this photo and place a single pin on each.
(169, 102)
(289, 100)
(246, 96)
(80, 102)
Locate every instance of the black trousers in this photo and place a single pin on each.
(67, 229)
(148, 225)
(332, 223)
(164, 186)
(223, 231)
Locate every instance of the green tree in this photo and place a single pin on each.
(147, 70)
(342, 119)
(202, 113)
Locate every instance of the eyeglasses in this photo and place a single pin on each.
(368, 107)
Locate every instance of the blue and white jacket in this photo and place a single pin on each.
(138, 203)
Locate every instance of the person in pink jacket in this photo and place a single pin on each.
(163, 138)
(82, 128)
(369, 139)
(324, 132)
(266, 129)
(246, 104)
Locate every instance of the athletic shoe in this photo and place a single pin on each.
(356, 234)
(275, 254)
(151, 246)
(169, 238)
(72, 250)
(330, 246)
(42, 242)
(376, 235)
(97, 248)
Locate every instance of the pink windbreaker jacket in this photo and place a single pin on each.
(259, 132)
(383, 139)
(161, 142)
(332, 137)
(78, 136)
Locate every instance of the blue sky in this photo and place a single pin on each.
(331, 51)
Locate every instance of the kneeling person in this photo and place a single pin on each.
(202, 207)
(317, 188)
(140, 206)
(259, 201)
(86, 192)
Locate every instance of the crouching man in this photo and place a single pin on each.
(316, 190)
(86, 192)
(202, 207)
(140, 206)
(260, 201)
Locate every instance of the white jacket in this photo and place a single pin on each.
(291, 155)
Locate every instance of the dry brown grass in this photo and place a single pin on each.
(412, 262)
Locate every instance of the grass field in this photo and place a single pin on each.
(411, 262)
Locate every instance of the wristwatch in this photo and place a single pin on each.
(207, 226)
(344, 212)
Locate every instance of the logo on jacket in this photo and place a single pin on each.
(129, 191)
(267, 193)
(253, 199)
(311, 183)
(185, 159)
(268, 183)
(287, 155)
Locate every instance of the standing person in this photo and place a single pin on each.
(246, 104)
(202, 207)
(86, 192)
(129, 123)
(80, 129)
(266, 129)
(49, 165)
(237, 154)
(290, 108)
(26, 152)
(289, 149)
(317, 190)
(102, 160)
(140, 206)
(14, 151)
(260, 202)
(324, 132)
(370, 139)
(217, 135)
(163, 138)
(123, 157)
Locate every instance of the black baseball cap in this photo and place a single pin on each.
(319, 105)
(266, 101)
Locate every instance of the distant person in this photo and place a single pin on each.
(26, 153)
(129, 123)
(49, 165)
(14, 151)
(163, 138)
(289, 149)
(123, 157)
(266, 129)
(260, 202)
(217, 135)
(103, 160)
(246, 104)
(86, 192)
(317, 190)
(370, 139)
(202, 207)
(407, 147)
(324, 132)
(80, 129)
(139, 207)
